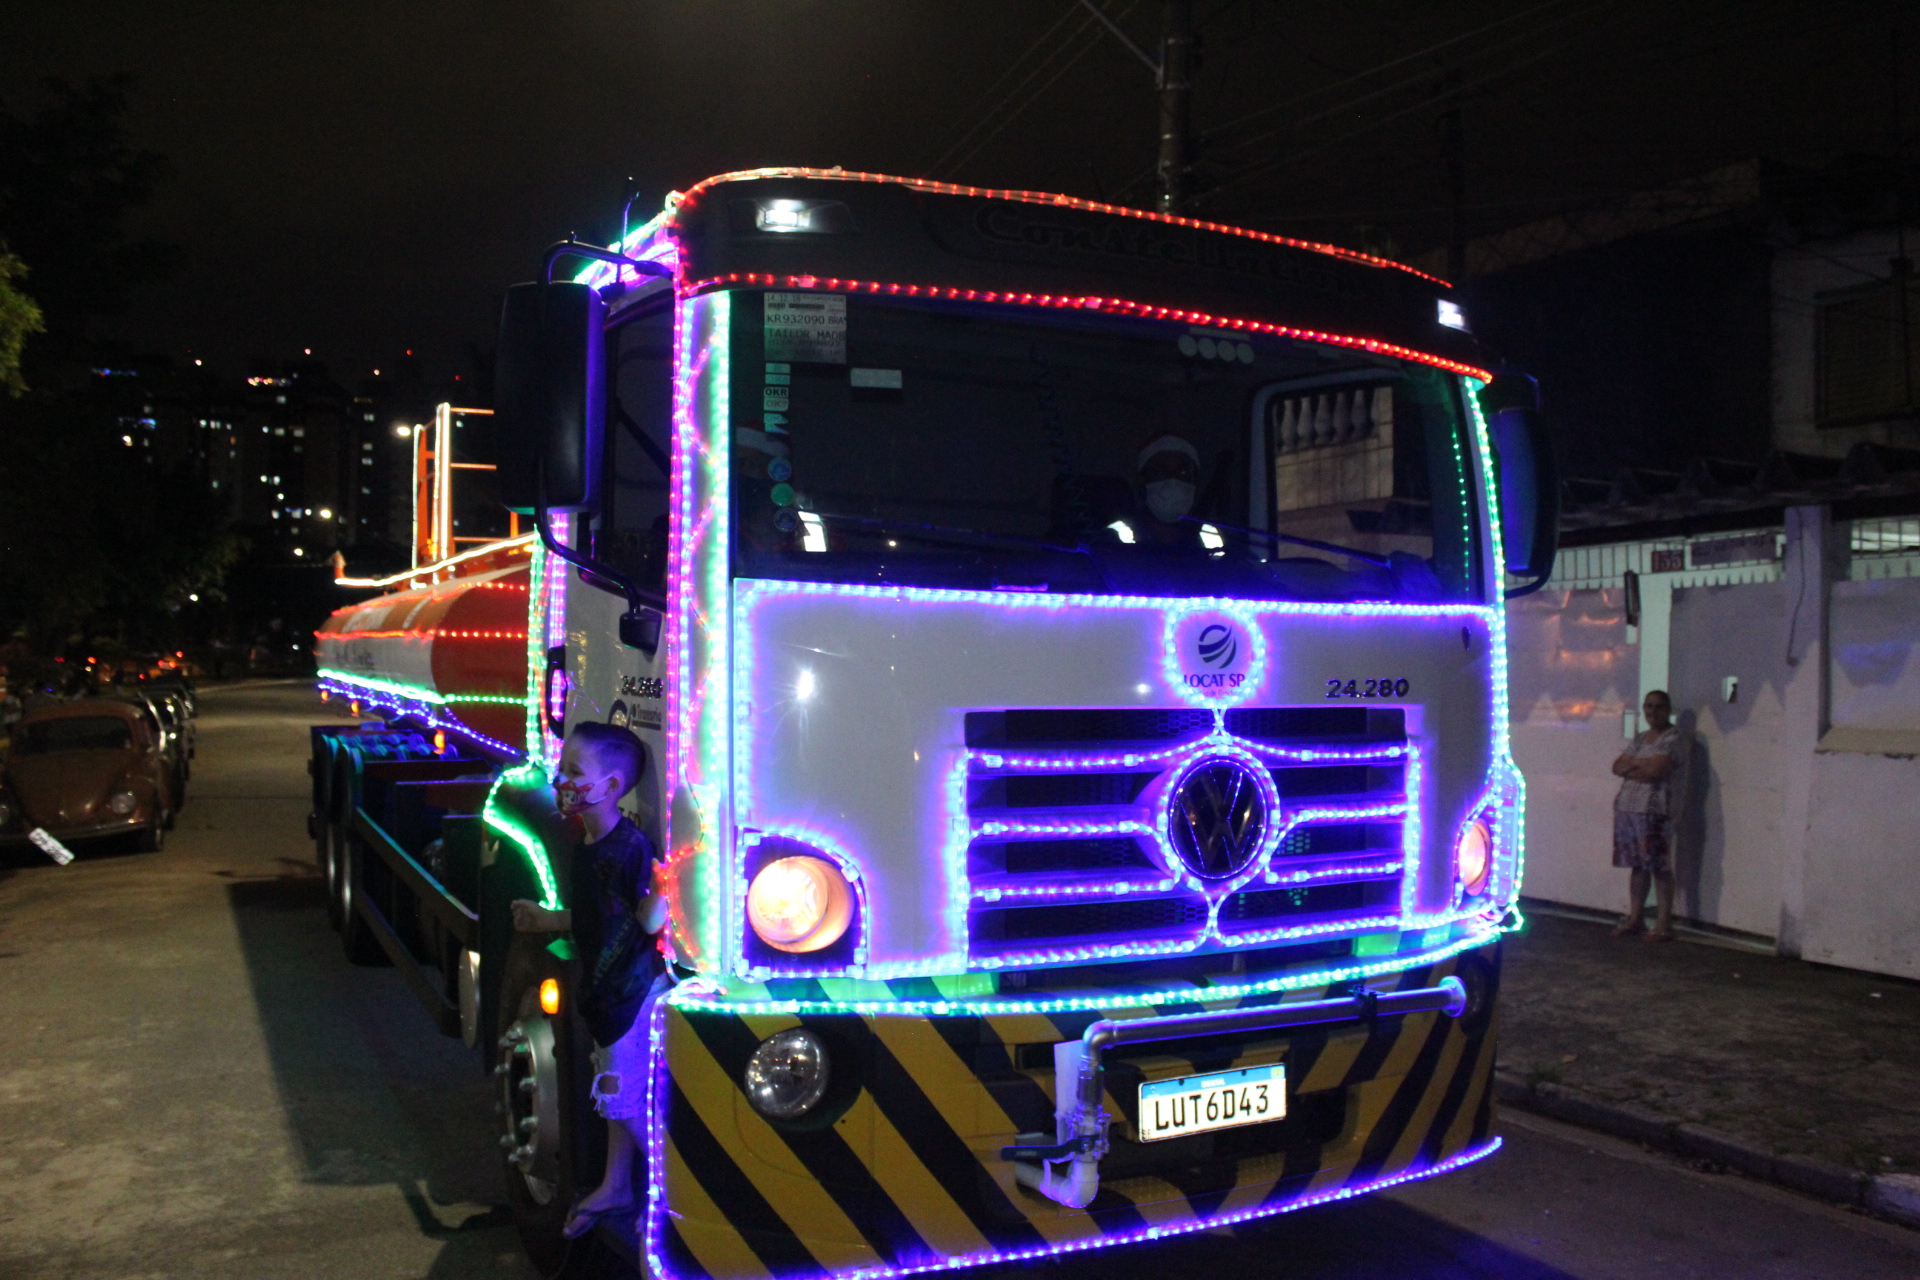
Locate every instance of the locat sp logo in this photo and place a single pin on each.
(1215, 651)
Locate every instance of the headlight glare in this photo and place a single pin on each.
(1473, 856)
(122, 803)
(787, 1075)
(799, 904)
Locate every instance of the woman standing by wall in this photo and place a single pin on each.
(1642, 822)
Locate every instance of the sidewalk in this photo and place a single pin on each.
(1805, 1075)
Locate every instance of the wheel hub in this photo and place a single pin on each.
(529, 1077)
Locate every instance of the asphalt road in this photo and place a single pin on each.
(196, 1084)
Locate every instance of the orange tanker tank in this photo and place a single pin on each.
(449, 654)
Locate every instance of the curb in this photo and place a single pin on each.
(1891, 1195)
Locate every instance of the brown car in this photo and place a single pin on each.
(85, 769)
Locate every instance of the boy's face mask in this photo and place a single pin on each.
(574, 794)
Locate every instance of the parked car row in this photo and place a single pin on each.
(99, 767)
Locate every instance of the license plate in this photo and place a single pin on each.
(1221, 1100)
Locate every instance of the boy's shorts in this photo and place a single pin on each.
(620, 1069)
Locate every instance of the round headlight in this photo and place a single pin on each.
(122, 802)
(799, 904)
(787, 1075)
(1474, 856)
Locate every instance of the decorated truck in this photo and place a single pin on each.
(1068, 644)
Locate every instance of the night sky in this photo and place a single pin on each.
(364, 176)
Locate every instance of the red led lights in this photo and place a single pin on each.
(688, 198)
(1109, 306)
(429, 634)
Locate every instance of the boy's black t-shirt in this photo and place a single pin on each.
(618, 960)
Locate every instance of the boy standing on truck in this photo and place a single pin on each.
(615, 924)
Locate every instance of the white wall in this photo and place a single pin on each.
(1573, 674)
(1786, 828)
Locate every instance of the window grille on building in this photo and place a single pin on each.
(1869, 352)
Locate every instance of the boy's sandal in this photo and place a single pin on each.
(1627, 928)
(581, 1221)
(1659, 935)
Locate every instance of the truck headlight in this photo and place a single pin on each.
(799, 904)
(787, 1075)
(122, 803)
(1473, 856)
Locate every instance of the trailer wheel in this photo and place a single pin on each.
(333, 835)
(332, 856)
(356, 939)
(540, 1069)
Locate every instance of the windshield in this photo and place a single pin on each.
(941, 445)
(74, 733)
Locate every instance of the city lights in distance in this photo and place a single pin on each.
(299, 551)
(326, 513)
(403, 431)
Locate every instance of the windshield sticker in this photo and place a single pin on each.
(809, 327)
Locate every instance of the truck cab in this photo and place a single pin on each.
(1069, 647)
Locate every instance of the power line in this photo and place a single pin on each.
(1013, 113)
(1376, 70)
(975, 113)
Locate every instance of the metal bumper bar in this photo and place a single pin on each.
(1080, 1125)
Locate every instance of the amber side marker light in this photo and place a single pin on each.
(550, 996)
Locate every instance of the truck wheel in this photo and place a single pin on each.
(356, 939)
(543, 1105)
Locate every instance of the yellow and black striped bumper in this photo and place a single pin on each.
(900, 1167)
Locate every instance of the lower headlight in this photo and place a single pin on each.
(122, 803)
(787, 1075)
(799, 904)
(1474, 855)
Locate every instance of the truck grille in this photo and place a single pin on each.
(1067, 856)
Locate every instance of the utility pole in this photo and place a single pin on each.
(1453, 147)
(1176, 102)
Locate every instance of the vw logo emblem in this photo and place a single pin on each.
(1216, 645)
(1218, 818)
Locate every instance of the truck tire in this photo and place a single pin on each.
(550, 1141)
(356, 939)
(332, 842)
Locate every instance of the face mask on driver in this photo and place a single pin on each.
(1168, 500)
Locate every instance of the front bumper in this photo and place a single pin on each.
(66, 835)
(903, 1167)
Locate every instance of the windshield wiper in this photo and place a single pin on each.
(1292, 540)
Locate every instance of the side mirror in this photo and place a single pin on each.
(1529, 495)
(549, 402)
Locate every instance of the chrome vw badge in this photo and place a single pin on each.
(1218, 818)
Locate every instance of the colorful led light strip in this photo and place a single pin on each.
(430, 633)
(439, 566)
(686, 201)
(1436, 944)
(699, 644)
(407, 706)
(530, 842)
(1103, 305)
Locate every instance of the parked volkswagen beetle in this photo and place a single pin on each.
(86, 769)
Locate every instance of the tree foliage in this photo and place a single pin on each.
(97, 537)
(19, 317)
